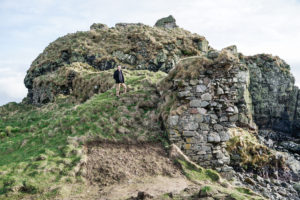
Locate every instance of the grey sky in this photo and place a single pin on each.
(256, 26)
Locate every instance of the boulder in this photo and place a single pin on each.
(166, 22)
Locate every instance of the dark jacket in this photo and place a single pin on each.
(119, 78)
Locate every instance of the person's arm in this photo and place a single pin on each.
(115, 75)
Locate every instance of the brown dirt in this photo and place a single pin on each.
(120, 171)
(110, 163)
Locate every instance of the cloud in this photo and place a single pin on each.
(12, 87)
(257, 26)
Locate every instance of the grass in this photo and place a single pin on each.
(251, 153)
(213, 183)
(40, 149)
(198, 174)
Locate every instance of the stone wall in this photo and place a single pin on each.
(209, 96)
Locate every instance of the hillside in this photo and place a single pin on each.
(196, 122)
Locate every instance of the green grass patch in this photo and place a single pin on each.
(198, 174)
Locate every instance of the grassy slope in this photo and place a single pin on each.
(35, 149)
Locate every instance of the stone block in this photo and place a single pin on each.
(202, 111)
(189, 133)
(218, 127)
(220, 91)
(198, 118)
(213, 138)
(194, 111)
(204, 127)
(206, 97)
(173, 120)
(187, 146)
(185, 93)
(191, 126)
(224, 136)
(195, 103)
(200, 88)
(204, 104)
(234, 118)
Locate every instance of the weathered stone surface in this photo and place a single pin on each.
(191, 126)
(173, 120)
(204, 104)
(206, 97)
(202, 111)
(224, 136)
(220, 91)
(273, 93)
(200, 88)
(184, 94)
(218, 127)
(98, 26)
(189, 133)
(167, 22)
(195, 103)
(213, 137)
(234, 118)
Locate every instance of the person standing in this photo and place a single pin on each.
(119, 78)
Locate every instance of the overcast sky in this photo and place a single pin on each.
(255, 26)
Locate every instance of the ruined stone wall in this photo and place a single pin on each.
(206, 105)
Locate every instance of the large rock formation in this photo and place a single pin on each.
(135, 46)
(274, 95)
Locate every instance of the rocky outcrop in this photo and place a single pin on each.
(134, 45)
(167, 22)
(274, 95)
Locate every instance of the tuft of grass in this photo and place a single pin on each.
(251, 153)
(198, 173)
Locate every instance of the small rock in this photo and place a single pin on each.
(143, 196)
(224, 136)
(195, 103)
(200, 88)
(234, 118)
(214, 138)
(220, 91)
(207, 192)
(193, 82)
(204, 104)
(191, 126)
(224, 119)
(173, 120)
(202, 111)
(185, 93)
(188, 133)
(206, 97)
(230, 110)
(167, 22)
(194, 111)
(250, 181)
(218, 127)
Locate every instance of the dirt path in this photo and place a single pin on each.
(154, 186)
(120, 171)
